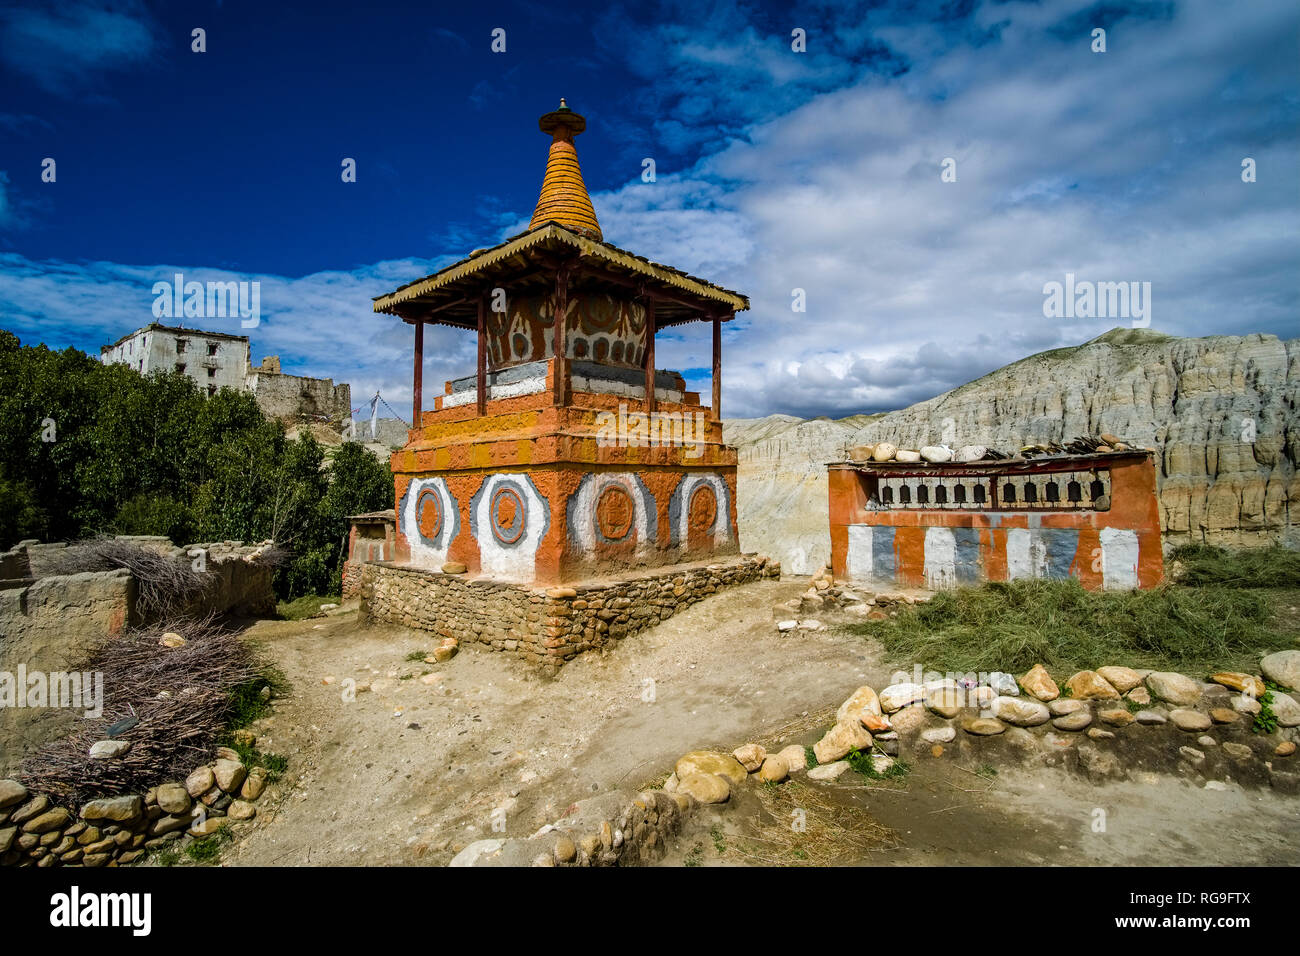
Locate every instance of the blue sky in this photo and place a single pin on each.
(777, 170)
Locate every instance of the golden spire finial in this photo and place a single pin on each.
(564, 196)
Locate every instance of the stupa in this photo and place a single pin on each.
(566, 454)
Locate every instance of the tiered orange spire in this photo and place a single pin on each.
(564, 196)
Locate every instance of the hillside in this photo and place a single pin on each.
(1195, 401)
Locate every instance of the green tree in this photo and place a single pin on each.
(134, 454)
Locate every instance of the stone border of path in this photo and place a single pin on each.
(115, 831)
(1106, 724)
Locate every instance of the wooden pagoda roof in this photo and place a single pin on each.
(526, 264)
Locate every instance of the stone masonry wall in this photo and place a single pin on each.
(545, 626)
(117, 830)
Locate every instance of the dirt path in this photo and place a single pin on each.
(409, 772)
(940, 815)
(368, 786)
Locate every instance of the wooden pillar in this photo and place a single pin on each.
(650, 355)
(717, 367)
(419, 374)
(559, 337)
(481, 368)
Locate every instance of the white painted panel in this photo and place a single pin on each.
(722, 526)
(858, 559)
(1026, 555)
(515, 562)
(940, 558)
(425, 555)
(529, 386)
(1119, 559)
(584, 510)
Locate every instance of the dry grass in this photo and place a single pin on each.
(169, 588)
(835, 833)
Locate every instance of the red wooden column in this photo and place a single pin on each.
(717, 367)
(419, 374)
(559, 336)
(481, 369)
(650, 354)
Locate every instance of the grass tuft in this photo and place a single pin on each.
(860, 762)
(304, 607)
(208, 849)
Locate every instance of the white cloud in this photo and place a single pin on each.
(1120, 167)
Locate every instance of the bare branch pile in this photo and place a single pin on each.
(182, 698)
(168, 586)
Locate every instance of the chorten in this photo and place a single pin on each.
(554, 463)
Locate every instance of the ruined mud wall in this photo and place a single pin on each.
(239, 583)
(49, 626)
(52, 623)
(290, 397)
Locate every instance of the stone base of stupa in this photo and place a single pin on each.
(545, 626)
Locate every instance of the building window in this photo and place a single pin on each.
(212, 373)
(212, 390)
(180, 345)
(180, 367)
(212, 348)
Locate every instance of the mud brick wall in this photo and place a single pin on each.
(52, 625)
(545, 626)
(237, 583)
(58, 619)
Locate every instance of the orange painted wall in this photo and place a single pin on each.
(1133, 508)
(556, 447)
